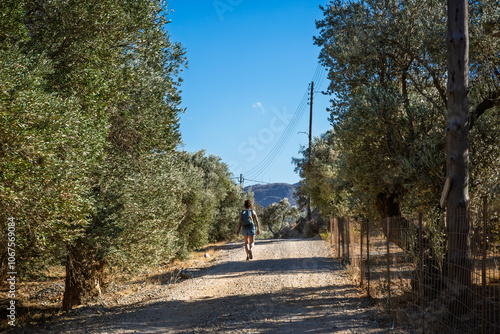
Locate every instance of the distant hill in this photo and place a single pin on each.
(267, 194)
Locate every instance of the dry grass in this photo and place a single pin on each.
(36, 301)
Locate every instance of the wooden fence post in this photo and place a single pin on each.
(342, 234)
(361, 267)
(331, 231)
(351, 243)
(337, 236)
(348, 239)
(368, 256)
(421, 269)
(483, 269)
(388, 265)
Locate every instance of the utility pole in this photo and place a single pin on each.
(311, 116)
(457, 149)
(309, 152)
(241, 180)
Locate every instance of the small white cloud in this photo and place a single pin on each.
(259, 106)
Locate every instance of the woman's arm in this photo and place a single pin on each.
(256, 222)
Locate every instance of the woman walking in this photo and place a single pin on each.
(247, 224)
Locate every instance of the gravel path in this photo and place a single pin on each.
(291, 286)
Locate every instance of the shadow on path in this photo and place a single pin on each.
(287, 311)
(328, 308)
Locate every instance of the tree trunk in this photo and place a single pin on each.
(3, 264)
(388, 206)
(84, 276)
(457, 142)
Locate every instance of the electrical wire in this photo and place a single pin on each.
(274, 153)
(267, 162)
(260, 182)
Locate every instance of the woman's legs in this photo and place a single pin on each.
(250, 246)
(249, 243)
(246, 237)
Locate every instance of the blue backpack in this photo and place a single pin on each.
(247, 219)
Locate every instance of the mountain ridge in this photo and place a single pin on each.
(267, 194)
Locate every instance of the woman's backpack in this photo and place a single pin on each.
(247, 219)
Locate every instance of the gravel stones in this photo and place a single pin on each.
(291, 286)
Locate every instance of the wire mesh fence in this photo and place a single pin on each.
(434, 273)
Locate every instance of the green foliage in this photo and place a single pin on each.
(227, 214)
(89, 109)
(484, 144)
(89, 130)
(321, 179)
(12, 27)
(278, 216)
(137, 186)
(387, 70)
(149, 219)
(387, 148)
(42, 182)
(212, 201)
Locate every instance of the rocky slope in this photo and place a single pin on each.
(266, 194)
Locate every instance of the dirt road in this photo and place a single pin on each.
(291, 286)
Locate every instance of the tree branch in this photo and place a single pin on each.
(492, 100)
(421, 92)
(435, 79)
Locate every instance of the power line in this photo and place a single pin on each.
(274, 153)
(266, 163)
(279, 146)
(241, 179)
(261, 182)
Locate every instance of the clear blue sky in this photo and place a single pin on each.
(250, 64)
